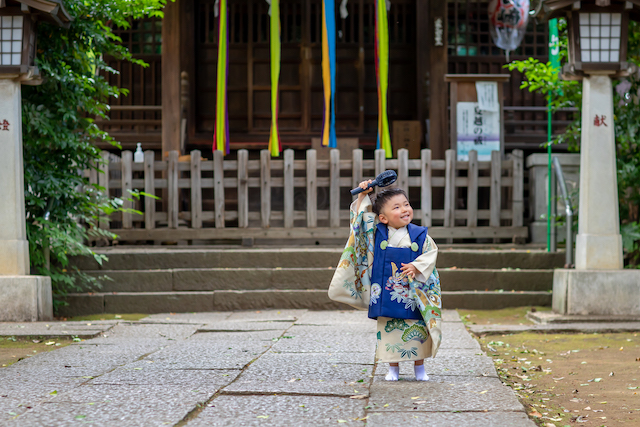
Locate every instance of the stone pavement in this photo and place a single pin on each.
(252, 368)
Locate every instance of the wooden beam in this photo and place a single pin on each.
(438, 134)
(171, 65)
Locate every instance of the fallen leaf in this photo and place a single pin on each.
(54, 393)
(603, 403)
(416, 397)
(535, 414)
(50, 343)
(588, 408)
(358, 396)
(483, 392)
(262, 416)
(342, 421)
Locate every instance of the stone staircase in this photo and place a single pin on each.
(175, 279)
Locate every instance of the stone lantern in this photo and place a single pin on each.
(597, 53)
(22, 297)
(598, 34)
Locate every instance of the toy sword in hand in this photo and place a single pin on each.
(386, 178)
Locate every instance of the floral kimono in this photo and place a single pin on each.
(408, 311)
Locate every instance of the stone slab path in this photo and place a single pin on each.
(276, 368)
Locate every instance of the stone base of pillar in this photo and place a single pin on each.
(14, 257)
(599, 252)
(25, 299)
(596, 292)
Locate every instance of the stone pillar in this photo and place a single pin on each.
(22, 297)
(598, 244)
(14, 248)
(599, 285)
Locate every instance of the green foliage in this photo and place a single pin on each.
(627, 128)
(59, 132)
(540, 78)
(631, 243)
(543, 78)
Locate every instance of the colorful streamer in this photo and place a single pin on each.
(275, 145)
(221, 128)
(329, 73)
(382, 75)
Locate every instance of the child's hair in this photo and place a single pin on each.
(383, 197)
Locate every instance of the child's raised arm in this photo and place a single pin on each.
(361, 196)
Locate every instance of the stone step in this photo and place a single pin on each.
(146, 258)
(212, 279)
(180, 302)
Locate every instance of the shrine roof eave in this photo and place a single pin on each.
(48, 10)
(549, 9)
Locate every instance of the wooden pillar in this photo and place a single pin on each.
(438, 113)
(188, 60)
(423, 48)
(171, 109)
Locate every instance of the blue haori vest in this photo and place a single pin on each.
(389, 288)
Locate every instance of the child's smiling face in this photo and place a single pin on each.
(397, 212)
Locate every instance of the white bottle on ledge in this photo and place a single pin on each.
(138, 156)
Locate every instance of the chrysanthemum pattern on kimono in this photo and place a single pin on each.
(398, 285)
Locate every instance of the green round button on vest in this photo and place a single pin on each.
(414, 247)
(384, 244)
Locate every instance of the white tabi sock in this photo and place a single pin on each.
(421, 375)
(393, 373)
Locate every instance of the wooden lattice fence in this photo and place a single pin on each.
(302, 198)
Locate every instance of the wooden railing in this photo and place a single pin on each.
(277, 198)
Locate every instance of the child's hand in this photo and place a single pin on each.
(364, 185)
(410, 270)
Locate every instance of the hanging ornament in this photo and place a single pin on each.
(382, 75)
(275, 145)
(508, 19)
(329, 73)
(221, 127)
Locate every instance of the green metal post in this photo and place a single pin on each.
(554, 59)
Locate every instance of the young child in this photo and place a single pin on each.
(397, 260)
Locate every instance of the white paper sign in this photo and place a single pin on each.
(477, 130)
(488, 96)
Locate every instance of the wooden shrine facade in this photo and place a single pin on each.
(171, 104)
